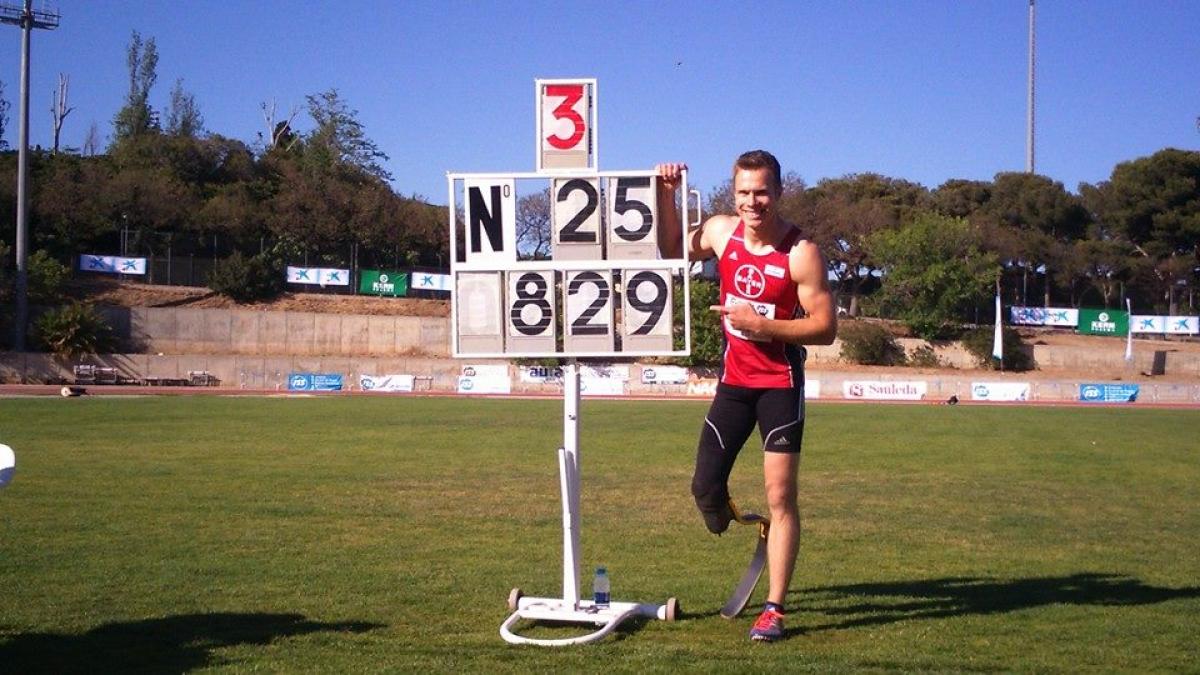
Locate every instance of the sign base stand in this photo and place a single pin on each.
(570, 608)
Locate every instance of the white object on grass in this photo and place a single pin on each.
(8, 465)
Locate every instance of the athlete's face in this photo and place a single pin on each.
(754, 196)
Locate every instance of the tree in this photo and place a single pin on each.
(1154, 204)
(533, 225)
(961, 198)
(340, 138)
(1044, 215)
(136, 116)
(59, 108)
(183, 115)
(934, 272)
(91, 142)
(846, 212)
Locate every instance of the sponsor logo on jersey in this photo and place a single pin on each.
(774, 271)
(749, 281)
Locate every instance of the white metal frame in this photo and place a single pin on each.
(570, 608)
(681, 265)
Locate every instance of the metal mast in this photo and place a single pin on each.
(27, 19)
(1029, 121)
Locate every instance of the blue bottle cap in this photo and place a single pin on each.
(601, 570)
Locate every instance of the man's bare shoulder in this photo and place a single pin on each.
(806, 260)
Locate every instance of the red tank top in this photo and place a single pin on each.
(764, 281)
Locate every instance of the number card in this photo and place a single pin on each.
(575, 219)
(588, 307)
(530, 311)
(477, 303)
(648, 311)
(632, 219)
(566, 125)
(491, 218)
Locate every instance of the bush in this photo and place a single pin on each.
(869, 344)
(47, 278)
(924, 357)
(1017, 357)
(707, 337)
(72, 331)
(246, 279)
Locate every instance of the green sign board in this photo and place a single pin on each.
(382, 282)
(1103, 321)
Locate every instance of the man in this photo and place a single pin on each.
(774, 298)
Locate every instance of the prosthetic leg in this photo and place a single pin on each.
(745, 588)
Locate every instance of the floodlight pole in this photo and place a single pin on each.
(27, 19)
(1029, 121)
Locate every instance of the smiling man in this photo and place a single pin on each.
(774, 299)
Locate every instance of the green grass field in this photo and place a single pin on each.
(365, 534)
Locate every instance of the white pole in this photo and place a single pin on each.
(569, 473)
(1029, 121)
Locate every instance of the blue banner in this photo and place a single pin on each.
(314, 382)
(1108, 393)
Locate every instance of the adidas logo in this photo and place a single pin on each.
(782, 440)
(733, 255)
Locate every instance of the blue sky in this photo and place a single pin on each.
(921, 90)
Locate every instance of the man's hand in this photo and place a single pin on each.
(669, 176)
(742, 317)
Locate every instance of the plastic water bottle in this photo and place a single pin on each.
(600, 588)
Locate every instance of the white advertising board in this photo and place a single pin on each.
(385, 382)
(484, 379)
(111, 264)
(884, 391)
(664, 375)
(999, 391)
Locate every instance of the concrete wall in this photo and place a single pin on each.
(178, 330)
(256, 350)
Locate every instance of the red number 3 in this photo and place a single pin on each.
(571, 93)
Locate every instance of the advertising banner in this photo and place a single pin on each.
(1103, 322)
(484, 379)
(111, 264)
(427, 281)
(603, 380)
(314, 382)
(386, 382)
(704, 388)
(884, 391)
(664, 375)
(812, 389)
(1108, 393)
(541, 374)
(1183, 325)
(320, 276)
(1044, 316)
(382, 282)
(999, 391)
(1144, 323)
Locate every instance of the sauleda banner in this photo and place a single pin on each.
(878, 390)
(383, 282)
(1103, 321)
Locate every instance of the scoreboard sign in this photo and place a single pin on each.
(604, 290)
(566, 125)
